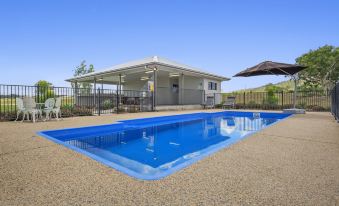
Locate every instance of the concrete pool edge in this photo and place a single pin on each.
(205, 152)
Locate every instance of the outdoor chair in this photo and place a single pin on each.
(56, 110)
(30, 109)
(49, 106)
(229, 103)
(209, 104)
(20, 108)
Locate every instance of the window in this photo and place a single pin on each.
(212, 86)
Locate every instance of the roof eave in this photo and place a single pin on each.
(154, 61)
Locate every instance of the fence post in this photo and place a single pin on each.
(282, 99)
(99, 102)
(37, 93)
(244, 99)
(0, 103)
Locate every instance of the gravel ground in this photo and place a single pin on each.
(294, 162)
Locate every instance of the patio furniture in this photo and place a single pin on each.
(30, 108)
(209, 104)
(20, 108)
(56, 110)
(49, 106)
(229, 103)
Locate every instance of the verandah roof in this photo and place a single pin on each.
(111, 74)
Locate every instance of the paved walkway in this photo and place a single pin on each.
(295, 162)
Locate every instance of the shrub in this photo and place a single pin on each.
(107, 104)
(70, 111)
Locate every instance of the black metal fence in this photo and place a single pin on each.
(88, 101)
(76, 101)
(335, 101)
(309, 100)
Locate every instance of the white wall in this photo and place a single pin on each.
(193, 83)
(165, 93)
(211, 92)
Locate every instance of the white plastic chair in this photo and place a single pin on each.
(49, 106)
(20, 109)
(30, 108)
(57, 111)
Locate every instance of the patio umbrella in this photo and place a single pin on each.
(274, 68)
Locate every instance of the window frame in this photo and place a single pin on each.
(212, 86)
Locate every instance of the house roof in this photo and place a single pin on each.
(154, 60)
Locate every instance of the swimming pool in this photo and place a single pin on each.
(153, 148)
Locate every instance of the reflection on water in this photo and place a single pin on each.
(168, 144)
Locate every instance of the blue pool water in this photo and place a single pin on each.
(153, 148)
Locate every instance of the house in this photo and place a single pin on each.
(174, 84)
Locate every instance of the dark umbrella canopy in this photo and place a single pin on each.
(271, 68)
(274, 68)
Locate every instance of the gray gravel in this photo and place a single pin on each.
(295, 162)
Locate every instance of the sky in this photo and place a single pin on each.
(46, 40)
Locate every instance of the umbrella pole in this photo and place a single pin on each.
(295, 92)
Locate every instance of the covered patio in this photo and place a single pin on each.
(166, 82)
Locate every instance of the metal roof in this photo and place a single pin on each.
(154, 60)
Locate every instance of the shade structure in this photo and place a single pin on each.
(274, 68)
(271, 68)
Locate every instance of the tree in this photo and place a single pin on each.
(44, 90)
(322, 67)
(81, 70)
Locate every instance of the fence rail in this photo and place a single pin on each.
(76, 101)
(335, 101)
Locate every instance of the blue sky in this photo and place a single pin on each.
(47, 39)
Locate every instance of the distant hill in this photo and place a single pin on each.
(285, 85)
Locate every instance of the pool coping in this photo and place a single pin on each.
(204, 153)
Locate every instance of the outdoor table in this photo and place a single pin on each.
(40, 106)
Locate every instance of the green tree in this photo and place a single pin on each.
(44, 90)
(82, 69)
(322, 67)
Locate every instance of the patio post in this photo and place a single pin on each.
(95, 93)
(101, 93)
(154, 87)
(119, 88)
(117, 100)
(181, 89)
(295, 91)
